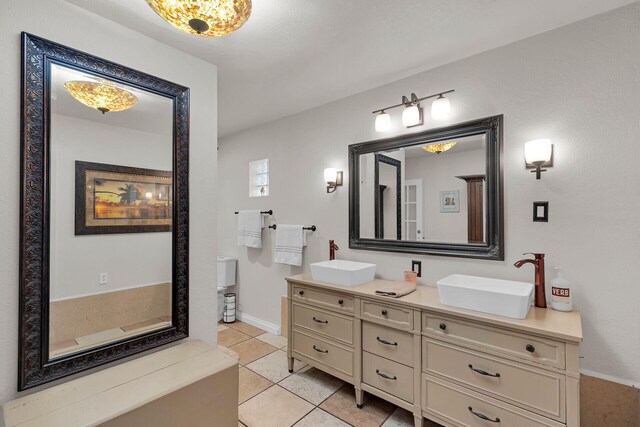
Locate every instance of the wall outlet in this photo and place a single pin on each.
(417, 267)
(103, 278)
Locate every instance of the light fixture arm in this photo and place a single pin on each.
(414, 100)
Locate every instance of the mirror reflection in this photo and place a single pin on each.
(432, 192)
(110, 211)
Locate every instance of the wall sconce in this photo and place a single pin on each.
(333, 178)
(538, 153)
(412, 115)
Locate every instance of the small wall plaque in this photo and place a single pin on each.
(540, 211)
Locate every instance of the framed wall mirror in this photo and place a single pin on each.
(105, 210)
(437, 192)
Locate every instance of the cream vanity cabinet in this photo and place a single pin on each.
(455, 367)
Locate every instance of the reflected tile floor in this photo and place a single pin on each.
(270, 396)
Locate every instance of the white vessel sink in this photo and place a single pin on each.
(494, 296)
(341, 272)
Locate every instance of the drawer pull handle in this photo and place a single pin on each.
(483, 416)
(481, 372)
(383, 341)
(530, 348)
(340, 302)
(319, 350)
(385, 376)
(384, 312)
(319, 321)
(443, 326)
(301, 292)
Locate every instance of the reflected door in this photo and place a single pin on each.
(413, 210)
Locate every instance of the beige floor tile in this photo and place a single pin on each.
(274, 340)
(143, 324)
(274, 367)
(251, 350)
(245, 328)
(274, 407)
(222, 327)
(251, 384)
(312, 384)
(230, 337)
(399, 418)
(318, 417)
(342, 404)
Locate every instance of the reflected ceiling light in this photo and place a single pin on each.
(100, 96)
(412, 114)
(440, 108)
(206, 18)
(440, 147)
(537, 153)
(383, 122)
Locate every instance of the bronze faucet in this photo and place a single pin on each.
(538, 262)
(332, 250)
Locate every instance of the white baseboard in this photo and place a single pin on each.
(259, 323)
(606, 377)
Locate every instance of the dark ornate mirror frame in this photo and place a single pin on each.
(35, 366)
(379, 192)
(493, 248)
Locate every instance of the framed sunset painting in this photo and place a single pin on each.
(121, 199)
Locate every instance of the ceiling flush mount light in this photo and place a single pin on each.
(333, 178)
(412, 115)
(440, 108)
(383, 122)
(440, 147)
(206, 18)
(100, 96)
(538, 153)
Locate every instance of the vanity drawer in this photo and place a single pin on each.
(323, 352)
(394, 316)
(334, 326)
(531, 388)
(387, 342)
(388, 376)
(539, 350)
(326, 299)
(453, 404)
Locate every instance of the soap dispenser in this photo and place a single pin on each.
(561, 292)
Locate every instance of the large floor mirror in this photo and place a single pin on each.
(436, 192)
(104, 229)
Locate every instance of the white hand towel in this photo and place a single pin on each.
(290, 239)
(250, 224)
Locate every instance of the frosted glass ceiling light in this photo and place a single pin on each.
(103, 97)
(383, 122)
(440, 147)
(412, 114)
(537, 153)
(440, 108)
(206, 18)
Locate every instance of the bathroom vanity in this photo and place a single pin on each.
(453, 366)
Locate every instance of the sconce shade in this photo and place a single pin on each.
(383, 122)
(537, 151)
(411, 116)
(103, 97)
(330, 175)
(205, 18)
(440, 108)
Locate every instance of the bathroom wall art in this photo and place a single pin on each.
(449, 201)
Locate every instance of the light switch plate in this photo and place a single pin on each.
(540, 211)
(103, 278)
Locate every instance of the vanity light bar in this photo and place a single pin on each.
(413, 101)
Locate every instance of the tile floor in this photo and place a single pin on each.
(271, 396)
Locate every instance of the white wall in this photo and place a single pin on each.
(438, 173)
(67, 24)
(130, 259)
(578, 85)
